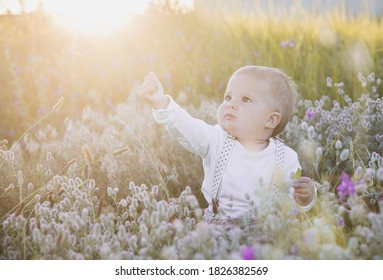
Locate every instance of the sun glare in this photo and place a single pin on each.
(94, 16)
(97, 17)
(14, 7)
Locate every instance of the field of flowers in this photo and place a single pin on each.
(94, 177)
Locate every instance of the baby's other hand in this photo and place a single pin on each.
(303, 190)
(153, 92)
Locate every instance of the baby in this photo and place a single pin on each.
(242, 158)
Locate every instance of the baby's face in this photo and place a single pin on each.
(246, 108)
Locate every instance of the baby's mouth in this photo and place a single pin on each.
(229, 117)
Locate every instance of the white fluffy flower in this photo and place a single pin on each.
(344, 154)
(110, 191)
(338, 144)
(123, 203)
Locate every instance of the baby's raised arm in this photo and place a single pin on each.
(153, 92)
(193, 134)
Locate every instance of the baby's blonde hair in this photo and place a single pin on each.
(284, 91)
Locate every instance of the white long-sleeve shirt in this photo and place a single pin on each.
(247, 180)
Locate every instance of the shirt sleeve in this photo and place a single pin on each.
(193, 134)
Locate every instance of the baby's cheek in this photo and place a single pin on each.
(219, 115)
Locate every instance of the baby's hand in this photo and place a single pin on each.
(303, 190)
(153, 93)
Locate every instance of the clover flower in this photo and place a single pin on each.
(346, 187)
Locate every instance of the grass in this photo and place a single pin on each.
(99, 179)
(192, 53)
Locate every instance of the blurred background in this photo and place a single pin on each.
(96, 53)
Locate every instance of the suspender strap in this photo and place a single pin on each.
(278, 177)
(211, 216)
(220, 169)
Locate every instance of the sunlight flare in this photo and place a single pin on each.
(94, 16)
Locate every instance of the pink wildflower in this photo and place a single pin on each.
(289, 43)
(310, 115)
(248, 253)
(346, 187)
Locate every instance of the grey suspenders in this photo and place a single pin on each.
(211, 216)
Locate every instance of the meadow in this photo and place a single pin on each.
(85, 172)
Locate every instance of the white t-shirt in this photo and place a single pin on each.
(247, 180)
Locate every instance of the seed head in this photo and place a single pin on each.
(344, 154)
(87, 154)
(120, 151)
(338, 144)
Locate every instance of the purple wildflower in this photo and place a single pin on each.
(294, 211)
(18, 69)
(188, 47)
(207, 79)
(151, 57)
(44, 81)
(248, 253)
(289, 43)
(108, 102)
(11, 133)
(221, 85)
(341, 222)
(41, 111)
(346, 187)
(187, 90)
(310, 115)
(294, 250)
(283, 44)
(58, 91)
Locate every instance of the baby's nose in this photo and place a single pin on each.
(231, 105)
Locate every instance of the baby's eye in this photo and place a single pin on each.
(227, 98)
(246, 99)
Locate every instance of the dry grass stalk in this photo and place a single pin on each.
(87, 154)
(59, 239)
(120, 151)
(67, 165)
(100, 205)
(20, 209)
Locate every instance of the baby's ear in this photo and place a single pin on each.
(274, 120)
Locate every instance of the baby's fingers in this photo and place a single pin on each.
(153, 76)
(306, 180)
(301, 190)
(148, 87)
